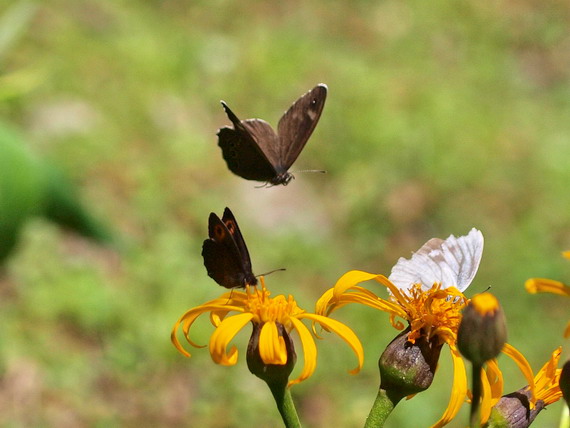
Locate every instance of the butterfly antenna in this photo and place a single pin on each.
(486, 289)
(270, 272)
(322, 171)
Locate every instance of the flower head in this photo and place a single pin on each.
(426, 292)
(516, 410)
(543, 285)
(273, 318)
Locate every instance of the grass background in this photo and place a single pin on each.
(441, 116)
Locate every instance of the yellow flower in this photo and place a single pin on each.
(512, 407)
(431, 303)
(269, 316)
(547, 380)
(543, 285)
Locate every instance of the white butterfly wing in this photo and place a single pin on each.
(453, 263)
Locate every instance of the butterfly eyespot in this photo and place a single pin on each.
(219, 231)
(313, 101)
(231, 226)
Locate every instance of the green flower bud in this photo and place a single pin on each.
(408, 368)
(513, 410)
(482, 332)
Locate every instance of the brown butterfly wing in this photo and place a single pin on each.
(223, 259)
(266, 139)
(297, 125)
(240, 148)
(231, 223)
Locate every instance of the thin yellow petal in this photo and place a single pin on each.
(458, 390)
(492, 389)
(548, 371)
(524, 367)
(272, 349)
(215, 306)
(350, 279)
(495, 377)
(543, 285)
(187, 320)
(547, 380)
(486, 402)
(344, 332)
(223, 335)
(376, 303)
(322, 304)
(309, 351)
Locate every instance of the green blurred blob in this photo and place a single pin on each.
(32, 187)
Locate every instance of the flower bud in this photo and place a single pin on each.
(270, 373)
(513, 410)
(408, 368)
(564, 382)
(482, 332)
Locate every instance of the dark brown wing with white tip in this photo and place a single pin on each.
(297, 125)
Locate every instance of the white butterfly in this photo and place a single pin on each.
(453, 263)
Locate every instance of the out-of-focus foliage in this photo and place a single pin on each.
(33, 187)
(441, 116)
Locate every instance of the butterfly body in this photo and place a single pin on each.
(254, 151)
(225, 254)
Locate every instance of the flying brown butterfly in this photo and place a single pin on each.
(253, 150)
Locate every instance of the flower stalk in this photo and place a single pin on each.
(474, 418)
(385, 402)
(285, 405)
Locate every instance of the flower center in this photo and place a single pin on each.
(436, 312)
(267, 309)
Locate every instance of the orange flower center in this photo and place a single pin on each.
(266, 309)
(436, 312)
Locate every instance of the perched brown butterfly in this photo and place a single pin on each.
(225, 254)
(253, 150)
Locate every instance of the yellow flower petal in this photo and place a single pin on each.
(351, 278)
(458, 390)
(486, 405)
(309, 351)
(567, 330)
(548, 378)
(374, 302)
(272, 349)
(566, 254)
(524, 367)
(188, 319)
(345, 334)
(543, 285)
(495, 377)
(324, 301)
(223, 335)
(492, 389)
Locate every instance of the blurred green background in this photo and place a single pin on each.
(441, 116)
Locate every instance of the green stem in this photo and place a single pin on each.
(284, 401)
(474, 419)
(381, 409)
